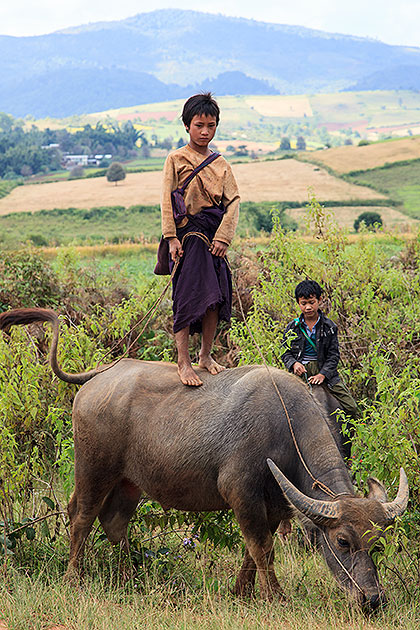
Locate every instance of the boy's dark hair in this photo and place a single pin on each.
(306, 288)
(200, 104)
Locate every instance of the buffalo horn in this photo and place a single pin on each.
(398, 505)
(319, 512)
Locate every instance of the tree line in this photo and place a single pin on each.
(26, 152)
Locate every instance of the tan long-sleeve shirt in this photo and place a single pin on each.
(213, 185)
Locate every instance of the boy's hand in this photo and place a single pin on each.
(317, 379)
(175, 248)
(218, 248)
(298, 368)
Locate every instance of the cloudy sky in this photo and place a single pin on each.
(391, 21)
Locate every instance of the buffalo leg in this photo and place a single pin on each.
(245, 581)
(83, 508)
(259, 542)
(82, 516)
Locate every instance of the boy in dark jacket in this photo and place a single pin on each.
(313, 353)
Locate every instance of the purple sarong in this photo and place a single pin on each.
(202, 281)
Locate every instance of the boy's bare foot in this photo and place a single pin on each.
(188, 376)
(209, 364)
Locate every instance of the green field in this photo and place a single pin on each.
(399, 181)
(114, 224)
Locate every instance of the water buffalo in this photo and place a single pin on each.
(137, 430)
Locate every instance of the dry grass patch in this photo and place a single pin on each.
(280, 180)
(352, 158)
(281, 106)
(137, 188)
(289, 180)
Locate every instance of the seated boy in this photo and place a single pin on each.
(313, 353)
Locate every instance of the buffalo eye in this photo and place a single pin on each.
(342, 542)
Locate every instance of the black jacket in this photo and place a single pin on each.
(326, 344)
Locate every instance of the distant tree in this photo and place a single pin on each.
(76, 172)
(370, 219)
(285, 144)
(25, 170)
(115, 173)
(300, 143)
(180, 143)
(7, 122)
(241, 151)
(348, 141)
(145, 151)
(38, 240)
(363, 143)
(167, 143)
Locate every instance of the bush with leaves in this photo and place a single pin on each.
(115, 173)
(27, 280)
(371, 220)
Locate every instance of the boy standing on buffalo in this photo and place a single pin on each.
(199, 232)
(314, 353)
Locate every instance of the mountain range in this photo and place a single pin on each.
(170, 53)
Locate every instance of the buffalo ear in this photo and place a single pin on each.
(376, 490)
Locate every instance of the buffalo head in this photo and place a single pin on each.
(345, 532)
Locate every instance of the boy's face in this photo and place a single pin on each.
(309, 307)
(202, 130)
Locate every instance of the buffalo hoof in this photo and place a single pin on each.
(72, 576)
(372, 605)
(272, 594)
(243, 589)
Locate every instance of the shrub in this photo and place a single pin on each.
(115, 173)
(38, 240)
(27, 280)
(76, 172)
(371, 220)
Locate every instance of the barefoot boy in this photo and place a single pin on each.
(202, 288)
(313, 353)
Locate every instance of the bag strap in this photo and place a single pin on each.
(305, 334)
(206, 162)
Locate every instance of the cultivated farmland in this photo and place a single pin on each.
(354, 158)
(282, 180)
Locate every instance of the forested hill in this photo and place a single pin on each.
(164, 54)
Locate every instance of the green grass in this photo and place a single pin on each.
(77, 226)
(400, 181)
(6, 186)
(194, 594)
(114, 224)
